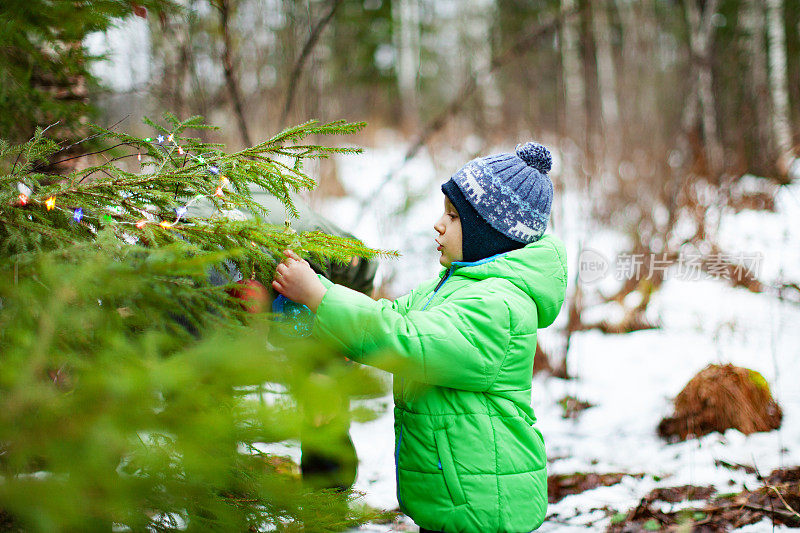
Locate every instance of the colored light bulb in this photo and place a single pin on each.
(141, 223)
(50, 203)
(213, 169)
(23, 199)
(77, 215)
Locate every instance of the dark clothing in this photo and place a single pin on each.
(324, 470)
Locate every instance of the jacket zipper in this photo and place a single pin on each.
(439, 286)
(402, 390)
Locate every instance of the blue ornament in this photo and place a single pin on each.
(298, 315)
(77, 215)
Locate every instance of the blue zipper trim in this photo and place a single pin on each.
(479, 261)
(455, 264)
(439, 286)
(397, 462)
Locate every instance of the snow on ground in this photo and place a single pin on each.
(631, 379)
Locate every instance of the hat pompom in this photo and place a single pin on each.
(536, 156)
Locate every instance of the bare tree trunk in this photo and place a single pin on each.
(574, 153)
(606, 77)
(297, 70)
(230, 73)
(779, 91)
(486, 79)
(701, 29)
(406, 36)
(200, 96)
(637, 53)
(574, 88)
(474, 21)
(753, 23)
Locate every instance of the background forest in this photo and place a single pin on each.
(675, 131)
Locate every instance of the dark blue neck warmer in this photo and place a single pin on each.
(478, 239)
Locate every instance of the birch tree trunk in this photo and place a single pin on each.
(779, 91)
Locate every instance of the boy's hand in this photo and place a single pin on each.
(295, 279)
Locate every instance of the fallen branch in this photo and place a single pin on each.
(789, 507)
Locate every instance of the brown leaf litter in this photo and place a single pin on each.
(777, 500)
(559, 486)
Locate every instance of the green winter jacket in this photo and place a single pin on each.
(468, 456)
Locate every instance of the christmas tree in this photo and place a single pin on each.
(136, 390)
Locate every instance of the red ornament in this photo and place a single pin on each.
(139, 10)
(254, 296)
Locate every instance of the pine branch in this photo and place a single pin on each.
(176, 171)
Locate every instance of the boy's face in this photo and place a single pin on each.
(449, 239)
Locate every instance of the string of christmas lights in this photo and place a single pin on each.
(24, 197)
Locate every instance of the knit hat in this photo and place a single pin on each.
(510, 192)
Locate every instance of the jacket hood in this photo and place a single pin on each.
(539, 269)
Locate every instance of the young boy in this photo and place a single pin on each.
(468, 456)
